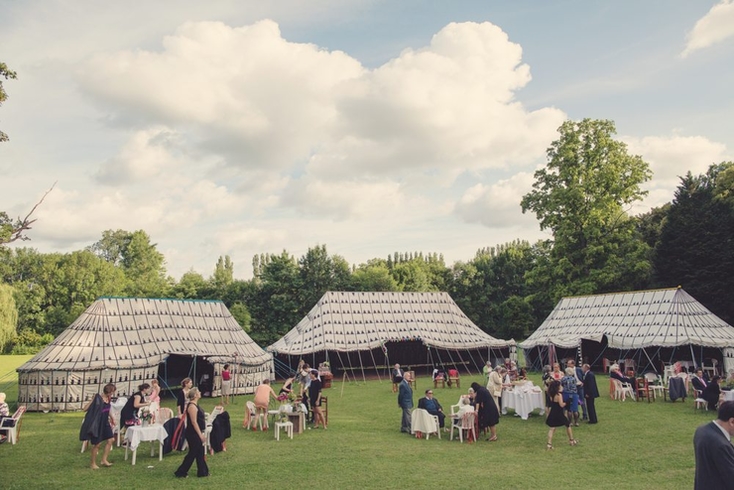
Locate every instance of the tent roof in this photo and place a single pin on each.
(352, 321)
(633, 320)
(119, 333)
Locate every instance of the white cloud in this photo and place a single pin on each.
(497, 205)
(714, 27)
(671, 157)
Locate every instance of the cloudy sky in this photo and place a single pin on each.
(242, 127)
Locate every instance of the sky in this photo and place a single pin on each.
(246, 127)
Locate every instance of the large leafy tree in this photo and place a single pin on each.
(581, 196)
(373, 276)
(320, 272)
(696, 245)
(143, 264)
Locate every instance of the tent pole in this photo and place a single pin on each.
(693, 357)
(374, 363)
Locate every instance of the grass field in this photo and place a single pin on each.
(635, 445)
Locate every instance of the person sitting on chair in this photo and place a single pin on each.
(615, 374)
(431, 405)
(699, 381)
(4, 413)
(712, 393)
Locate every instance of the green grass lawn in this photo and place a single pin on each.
(635, 445)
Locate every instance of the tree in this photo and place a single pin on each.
(373, 276)
(223, 276)
(7, 74)
(581, 196)
(12, 230)
(8, 316)
(191, 286)
(143, 264)
(319, 272)
(696, 245)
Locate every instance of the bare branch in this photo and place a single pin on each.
(18, 229)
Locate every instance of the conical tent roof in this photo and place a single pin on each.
(633, 320)
(355, 321)
(120, 333)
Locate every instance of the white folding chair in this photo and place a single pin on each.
(621, 390)
(209, 421)
(464, 423)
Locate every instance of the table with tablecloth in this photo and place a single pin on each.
(523, 401)
(136, 434)
(728, 395)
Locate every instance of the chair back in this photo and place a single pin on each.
(652, 377)
(467, 420)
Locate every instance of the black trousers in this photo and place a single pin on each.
(591, 410)
(196, 452)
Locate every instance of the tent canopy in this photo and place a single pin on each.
(127, 341)
(633, 320)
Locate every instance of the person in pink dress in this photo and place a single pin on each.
(155, 391)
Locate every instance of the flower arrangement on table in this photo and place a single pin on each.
(146, 416)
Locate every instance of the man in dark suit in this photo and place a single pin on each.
(714, 452)
(431, 405)
(405, 401)
(591, 392)
(699, 382)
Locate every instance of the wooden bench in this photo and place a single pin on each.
(11, 425)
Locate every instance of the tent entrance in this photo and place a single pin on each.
(176, 367)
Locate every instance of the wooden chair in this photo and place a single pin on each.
(644, 390)
(439, 379)
(412, 380)
(454, 378)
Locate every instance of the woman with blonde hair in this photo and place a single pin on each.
(195, 437)
(182, 394)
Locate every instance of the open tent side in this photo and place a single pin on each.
(128, 341)
(368, 331)
(653, 328)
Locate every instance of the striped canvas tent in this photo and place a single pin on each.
(128, 341)
(668, 323)
(358, 330)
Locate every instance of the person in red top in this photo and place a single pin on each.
(226, 384)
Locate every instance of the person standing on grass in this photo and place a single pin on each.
(397, 377)
(181, 395)
(714, 451)
(98, 423)
(405, 401)
(591, 392)
(487, 414)
(226, 384)
(571, 396)
(314, 394)
(556, 417)
(579, 373)
(195, 437)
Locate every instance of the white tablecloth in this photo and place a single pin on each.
(423, 422)
(522, 402)
(137, 433)
(728, 395)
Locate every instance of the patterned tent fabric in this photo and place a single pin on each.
(633, 320)
(358, 321)
(123, 340)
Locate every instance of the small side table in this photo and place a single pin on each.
(298, 420)
(288, 426)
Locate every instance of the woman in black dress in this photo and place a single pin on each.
(127, 415)
(556, 417)
(186, 385)
(195, 437)
(712, 393)
(314, 394)
(98, 423)
(486, 410)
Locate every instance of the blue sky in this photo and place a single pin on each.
(236, 128)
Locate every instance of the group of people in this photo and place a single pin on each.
(99, 422)
(310, 393)
(707, 389)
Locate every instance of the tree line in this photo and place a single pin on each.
(580, 196)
